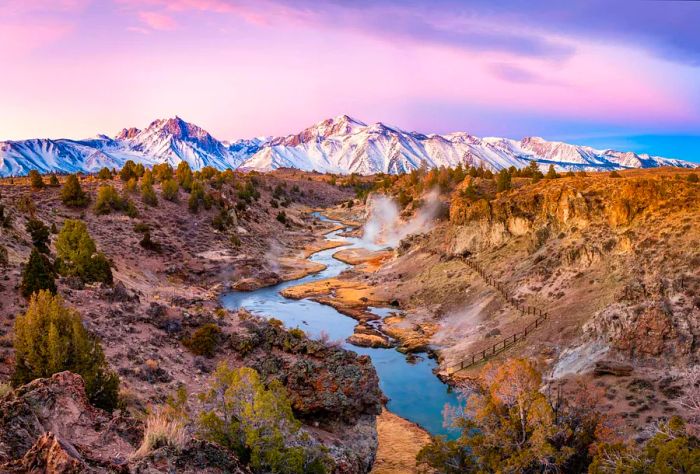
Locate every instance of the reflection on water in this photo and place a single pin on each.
(414, 392)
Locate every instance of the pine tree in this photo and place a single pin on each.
(104, 174)
(72, 194)
(503, 181)
(128, 171)
(147, 192)
(184, 175)
(53, 181)
(78, 254)
(38, 274)
(40, 234)
(169, 189)
(51, 338)
(35, 179)
(551, 173)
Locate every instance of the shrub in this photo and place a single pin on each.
(108, 200)
(128, 171)
(104, 174)
(4, 260)
(222, 220)
(39, 233)
(147, 192)
(196, 196)
(147, 243)
(184, 175)
(53, 181)
(204, 340)
(162, 172)
(5, 217)
(551, 173)
(161, 430)
(257, 423)
(72, 194)
(615, 174)
(235, 240)
(35, 179)
(50, 338)
(26, 205)
(130, 186)
(692, 178)
(5, 388)
(38, 274)
(282, 217)
(141, 227)
(78, 254)
(170, 189)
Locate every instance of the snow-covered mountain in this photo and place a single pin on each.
(340, 145)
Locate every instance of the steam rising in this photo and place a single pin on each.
(384, 225)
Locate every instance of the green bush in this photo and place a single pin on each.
(257, 423)
(53, 181)
(108, 200)
(78, 254)
(38, 274)
(204, 340)
(692, 178)
(35, 180)
(162, 172)
(282, 217)
(130, 186)
(503, 181)
(196, 196)
(72, 194)
(147, 192)
(184, 175)
(50, 338)
(170, 189)
(128, 171)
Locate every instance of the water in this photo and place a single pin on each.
(414, 392)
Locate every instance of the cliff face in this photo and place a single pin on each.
(636, 238)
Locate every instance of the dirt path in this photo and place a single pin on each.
(399, 443)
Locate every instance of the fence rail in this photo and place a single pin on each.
(506, 342)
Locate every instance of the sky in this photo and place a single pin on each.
(619, 74)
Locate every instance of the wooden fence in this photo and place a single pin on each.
(506, 342)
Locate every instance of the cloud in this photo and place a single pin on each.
(515, 73)
(157, 21)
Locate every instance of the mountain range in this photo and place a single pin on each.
(339, 145)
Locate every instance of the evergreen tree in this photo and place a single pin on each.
(53, 181)
(551, 173)
(50, 338)
(40, 234)
(35, 179)
(503, 181)
(104, 174)
(72, 194)
(108, 200)
(78, 254)
(38, 274)
(128, 171)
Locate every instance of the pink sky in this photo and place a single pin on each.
(75, 68)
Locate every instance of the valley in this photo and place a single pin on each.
(362, 297)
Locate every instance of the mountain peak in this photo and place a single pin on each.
(338, 125)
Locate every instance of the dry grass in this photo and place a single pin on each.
(160, 431)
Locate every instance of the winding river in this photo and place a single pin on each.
(414, 392)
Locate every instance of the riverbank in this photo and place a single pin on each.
(399, 443)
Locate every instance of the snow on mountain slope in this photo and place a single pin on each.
(339, 145)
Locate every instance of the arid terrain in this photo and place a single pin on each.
(612, 262)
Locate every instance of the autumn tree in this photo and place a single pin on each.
(72, 194)
(257, 423)
(77, 254)
(551, 173)
(37, 274)
(53, 181)
(104, 174)
(35, 180)
(128, 171)
(51, 338)
(509, 425)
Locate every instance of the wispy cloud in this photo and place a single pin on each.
(157, 20)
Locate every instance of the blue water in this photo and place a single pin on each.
(414, 392)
